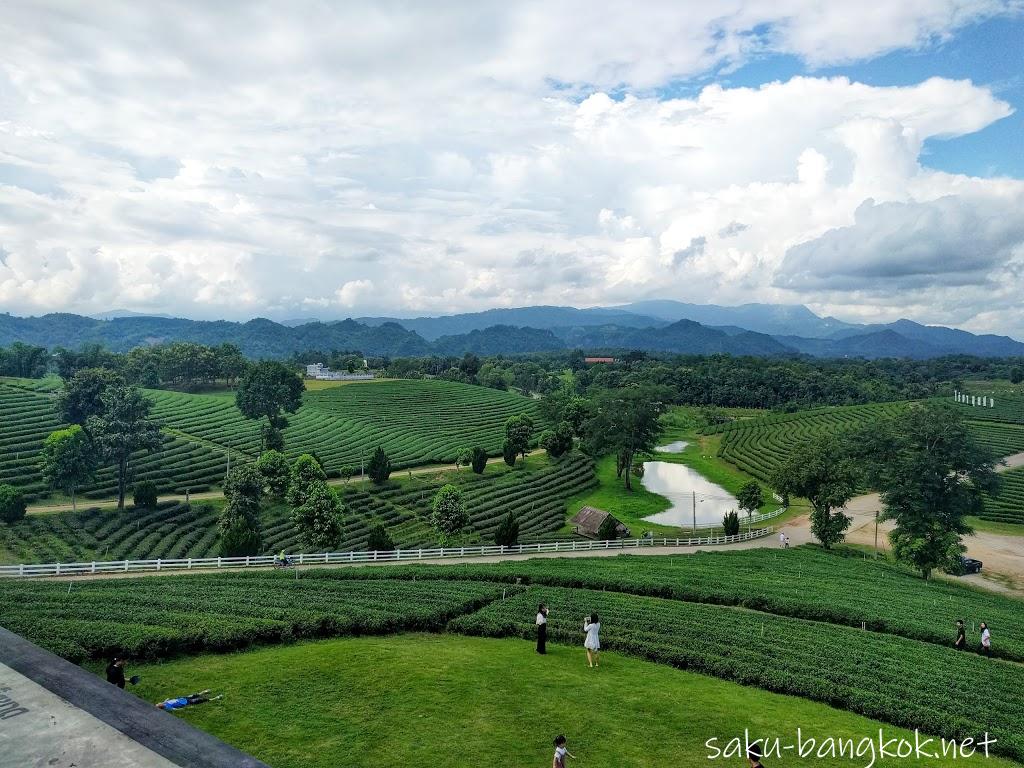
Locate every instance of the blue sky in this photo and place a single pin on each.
(333, 160)
(988, 53)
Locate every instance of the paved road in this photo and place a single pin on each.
(1002, 555)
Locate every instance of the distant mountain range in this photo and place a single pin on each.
(654, 326)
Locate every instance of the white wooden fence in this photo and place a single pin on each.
(342, 558)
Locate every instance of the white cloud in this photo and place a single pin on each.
(235, 160)
(355, 293)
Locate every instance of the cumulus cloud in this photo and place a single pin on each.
(893, 246)
(228, 160)
(354, 292)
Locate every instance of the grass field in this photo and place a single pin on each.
(795, 633)
(427, 700)
(416, 422)
(537, 491)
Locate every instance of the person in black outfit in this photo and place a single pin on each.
(754, 755)
(542, 628)
(961, 635)
(115, 672)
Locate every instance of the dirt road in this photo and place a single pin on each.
(1002, 555)
(42, 509)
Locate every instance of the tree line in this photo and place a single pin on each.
(180, 365)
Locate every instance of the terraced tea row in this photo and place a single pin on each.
(1008, 505)
(917, 685)
(157, 617)
(759, 446)
(1007, 408)
(538, 495)
(27, 417)
(416, 422)
(849, 591)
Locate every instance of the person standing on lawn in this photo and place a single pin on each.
(961, 635)
(593, 642)
(558, 761)
(986, 640)
(542, 629)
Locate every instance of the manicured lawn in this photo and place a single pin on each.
(442, 700)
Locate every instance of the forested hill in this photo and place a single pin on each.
(265, 338)
(557, 328)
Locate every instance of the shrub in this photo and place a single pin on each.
(239, 538)
(509, 453)
(731, 523)
(145, 494)
(379, 540)
(12, 504)
(557, 441)
(608, 529)
(507, 532)
(479, 460)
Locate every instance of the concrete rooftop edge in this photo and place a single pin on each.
(139, 720)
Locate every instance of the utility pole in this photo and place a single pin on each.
(876, 535)
(694, 512)
(228, 452)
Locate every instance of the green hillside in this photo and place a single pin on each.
(537, 492)
(416, 422)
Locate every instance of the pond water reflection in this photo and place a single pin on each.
(678, 483)
(676, 447)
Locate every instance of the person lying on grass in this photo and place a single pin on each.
(184, 701)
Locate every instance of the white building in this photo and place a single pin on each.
(321, 373)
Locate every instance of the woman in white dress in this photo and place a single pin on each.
(592, 627)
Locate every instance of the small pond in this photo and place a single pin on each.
(678, 483)
(677, 447)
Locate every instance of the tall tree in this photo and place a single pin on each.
(306, 471)
(823, 472)
(239, 522)
(276, 471)
(448, 513)
(82, 395)
(68, 460)
(122, 428)
(557, 441)
(318, 520)
(931, 473)
(625, 422)
(518, 433)
(267, 391)
(379, 467)
(750, 497)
